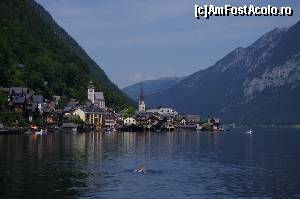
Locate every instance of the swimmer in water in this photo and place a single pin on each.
(140, 170)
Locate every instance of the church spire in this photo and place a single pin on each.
(142, 94)
(142, 107)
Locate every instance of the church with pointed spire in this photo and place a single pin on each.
(142, 106)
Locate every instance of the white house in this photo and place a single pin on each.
(129, 121)
(164, 111)
(80, 112)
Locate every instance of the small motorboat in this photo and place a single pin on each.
(249, 132)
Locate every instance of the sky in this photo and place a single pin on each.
(137, 40)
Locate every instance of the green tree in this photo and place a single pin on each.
(3, 101)
(129, 112)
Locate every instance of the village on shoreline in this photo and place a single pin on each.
(31, 113)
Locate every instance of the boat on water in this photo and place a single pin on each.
(108, 130)
(249, 132)
(41, 132)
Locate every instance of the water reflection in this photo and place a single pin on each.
(179, 165)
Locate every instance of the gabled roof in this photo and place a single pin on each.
(28, 96)
(73, 104)
(37, 99)
(94, 109)
(49, 107)
(110, 116)
(99, 96)
(193, 118)
(18, 100)
(189, 118)
(70, 106)
(18, 90)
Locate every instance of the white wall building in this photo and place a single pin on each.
(97, 98)
(129, 121)
(80, 112)
(164, 111)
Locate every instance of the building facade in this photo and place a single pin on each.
(97, 98)
(94, 115)
(164, 111)
(130, 121)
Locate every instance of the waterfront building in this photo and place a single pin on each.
(97, 98)
(164, 111)
(94, 115)
(187, 121)
(35, 102)
(110, 121)
(19, 104)
(49, 113)
(18, 91)
(129, 121)
(142, 106)
(214, 123)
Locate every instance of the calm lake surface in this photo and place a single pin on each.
(232, 164)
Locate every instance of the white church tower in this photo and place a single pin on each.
(142, 106)
(91, 92)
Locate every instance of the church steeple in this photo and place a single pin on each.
(142, 93)
(142, 106)
(91, 92)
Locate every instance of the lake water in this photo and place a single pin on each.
(232, 164)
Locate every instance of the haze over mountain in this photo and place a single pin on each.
(150, 86)
(52, 62)
(260, 83)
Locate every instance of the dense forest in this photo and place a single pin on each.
(36, 53)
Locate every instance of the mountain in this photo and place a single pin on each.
(37, 53)
(150, 87)
(257, 84)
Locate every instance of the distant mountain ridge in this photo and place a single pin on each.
(150, 86)
(257, 84)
